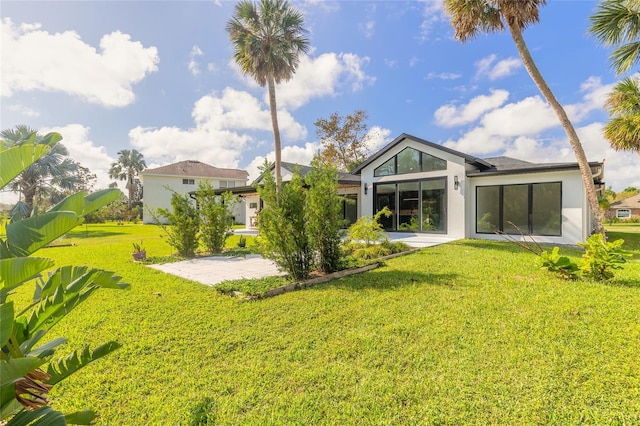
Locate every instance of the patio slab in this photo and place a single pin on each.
(215, 269)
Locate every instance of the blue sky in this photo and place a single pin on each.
(158, 76)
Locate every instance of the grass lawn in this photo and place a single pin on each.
(471, 332)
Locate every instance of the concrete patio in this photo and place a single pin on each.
(215, 269)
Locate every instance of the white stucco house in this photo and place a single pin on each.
(183, 177)
(436, 190)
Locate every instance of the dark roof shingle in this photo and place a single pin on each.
(192, 168)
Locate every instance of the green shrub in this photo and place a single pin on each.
(185, 222)
(282, 222)
(216, 217)
(242, 242)
(560, 265)
(601, 257)
(324, 216)
(367, 230)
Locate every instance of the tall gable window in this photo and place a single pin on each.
(410, 160)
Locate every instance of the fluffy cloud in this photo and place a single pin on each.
(325, 75)
(450, 115)
(487, 67)
(293, 154)
(33, 59)
(194, 67)
(26, 111)
(220, 132)
(528, 129)
(75, 137)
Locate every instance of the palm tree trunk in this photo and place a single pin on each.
(276, 130)
(583, 163)
(131, 188)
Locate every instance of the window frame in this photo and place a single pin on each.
(623, 210)
(421, 164)
(186, 181)
(530, 220)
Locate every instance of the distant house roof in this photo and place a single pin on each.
(192, 168)
(627, 203)
(480, 163)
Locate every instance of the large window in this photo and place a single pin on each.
(534, 208)
(415, 205)
(410, 160)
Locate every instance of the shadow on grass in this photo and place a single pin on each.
(388, 280)
(624, 283)
(92, 234)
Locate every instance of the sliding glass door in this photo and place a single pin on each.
(415, 205)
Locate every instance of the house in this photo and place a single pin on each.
(159, 183)
(627, 208)
(432, 189)
(348, 187)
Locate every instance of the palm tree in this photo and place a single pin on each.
(129, 164)
(623, 104)
(45, 178)
(268, 38)
(470, 17)
(616, 23)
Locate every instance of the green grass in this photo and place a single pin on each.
(471, 332)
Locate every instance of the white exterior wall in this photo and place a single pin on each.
(576, 218)
(157, 191)
(455, 198)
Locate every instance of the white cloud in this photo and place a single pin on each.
(377, 138)
(75, 137)
(293, 154)
(367, 28)
(526, 117)
(26, 111)
(493, 71)
(595, 95)
(443, 76)
(238, 110)
(37, 60)
(433, 13)
(450, 115)
(325, 75)
(194, 67)
(219, 136)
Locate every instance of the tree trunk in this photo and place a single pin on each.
(276, 130)
(131, 188)
(583, 163)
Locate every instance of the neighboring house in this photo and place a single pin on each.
(627, 208)
(348, 186)
(433, 189)
(159, 183)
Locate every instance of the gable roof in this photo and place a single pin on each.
(192, 168)
(627, 203)
(478, 162)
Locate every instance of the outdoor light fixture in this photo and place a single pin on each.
(366, 188)
(456, 183)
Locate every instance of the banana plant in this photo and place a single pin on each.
(28, 369)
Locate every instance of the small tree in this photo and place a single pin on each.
(184, 221)
(324, 216)
(216, 217)
(344, 140)
(283, 225)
